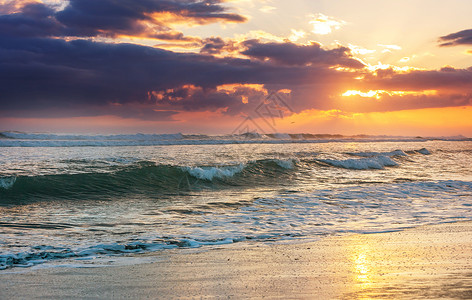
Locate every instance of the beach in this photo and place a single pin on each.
(426, 262)
(201, 149)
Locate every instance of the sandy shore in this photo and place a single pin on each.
(429, 262)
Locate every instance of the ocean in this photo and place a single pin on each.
(82, 198)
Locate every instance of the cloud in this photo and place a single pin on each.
(41, 73)
(324, 24)
(382, 101)
(463, 37)
(49, 66)
(113, 18)
(230, 99)
(46, 77)
(35, 19)
(360, 50)
(296, 35)
(293, 54)
(142, 17)
(390, 47)
(216, 45)
(446, 78)
(268, 9)
(390, 90)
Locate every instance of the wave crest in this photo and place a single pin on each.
(208, 173)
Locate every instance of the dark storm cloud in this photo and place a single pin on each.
(91, 17)
(82, 77)
(463, 37)
(50, 76)
(192, 98)
(34, 20)
(36, 73)
(213, 45)
(43, 75)
(88, 18)
(293, 54)
(396, 102)
(447, 78)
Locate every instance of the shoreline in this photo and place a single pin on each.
(432, 261)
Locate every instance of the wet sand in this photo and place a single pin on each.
(428, 262)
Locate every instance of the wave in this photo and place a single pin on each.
(423, 151)
(19, 139)
(372, 160)
(7, 182)
(209, 173)
(280, 217)
(378, 162)
(75, 137)
(371, 154)
(169, 142)
(41, 254)
(140, 178)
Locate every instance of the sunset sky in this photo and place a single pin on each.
(400, 67)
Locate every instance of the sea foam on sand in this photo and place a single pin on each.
(427, 262)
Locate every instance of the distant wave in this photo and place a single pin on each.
(78, 137)
(18, 139)
(371, 160)
(371, 154)
(378, 162)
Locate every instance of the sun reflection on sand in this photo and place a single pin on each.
(363, 266)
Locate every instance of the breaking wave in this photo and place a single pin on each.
(141, 178)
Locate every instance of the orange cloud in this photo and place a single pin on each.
(14, 6)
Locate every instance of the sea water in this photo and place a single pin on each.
(80, 197)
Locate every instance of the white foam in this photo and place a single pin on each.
(377, 162)
(7, 182)
(208, 173)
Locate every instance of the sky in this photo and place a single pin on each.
(387, 67)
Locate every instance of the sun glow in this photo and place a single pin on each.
(324, 24)
(381, 66)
